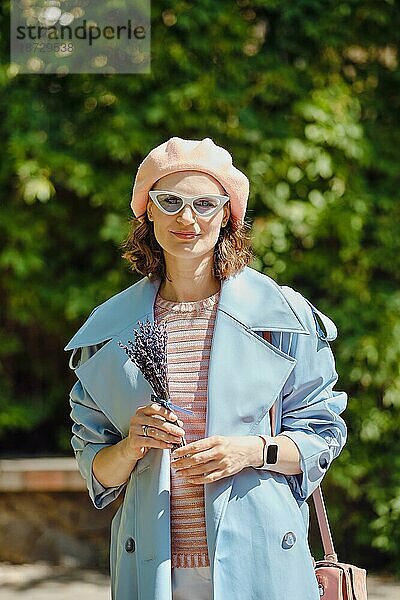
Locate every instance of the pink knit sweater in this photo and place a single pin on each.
(190, 328)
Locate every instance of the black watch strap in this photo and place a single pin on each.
(270, 452)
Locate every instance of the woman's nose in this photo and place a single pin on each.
(186, 215)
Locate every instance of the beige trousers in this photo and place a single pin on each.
(191, 584)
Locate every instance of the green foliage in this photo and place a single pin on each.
(306, 97)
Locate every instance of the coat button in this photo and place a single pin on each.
(289, 540)
(130, 545)
(324, 459)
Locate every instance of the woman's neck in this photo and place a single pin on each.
(189, 282)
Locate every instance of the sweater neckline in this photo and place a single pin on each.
(192, 306)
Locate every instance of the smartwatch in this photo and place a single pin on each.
(270, 452)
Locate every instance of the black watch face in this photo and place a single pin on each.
(272, 454)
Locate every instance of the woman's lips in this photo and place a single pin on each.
(185, 235)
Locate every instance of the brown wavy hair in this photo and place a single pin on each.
(232, 251)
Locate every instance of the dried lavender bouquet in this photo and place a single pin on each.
(149, 353)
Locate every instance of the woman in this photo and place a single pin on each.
(250, 359)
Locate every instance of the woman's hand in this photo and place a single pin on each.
(216, 457)
(160, 433)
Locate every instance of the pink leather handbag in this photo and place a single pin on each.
(336, 580)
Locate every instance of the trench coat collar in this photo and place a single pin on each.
(254, 300)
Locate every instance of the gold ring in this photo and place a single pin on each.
(144, 429)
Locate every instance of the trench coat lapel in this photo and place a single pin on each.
(114, 382)
(246, 373)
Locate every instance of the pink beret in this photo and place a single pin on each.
(190, 155)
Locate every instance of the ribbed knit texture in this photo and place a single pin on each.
(190, 328)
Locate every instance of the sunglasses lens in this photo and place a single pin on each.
(205, 206)
(169, 202)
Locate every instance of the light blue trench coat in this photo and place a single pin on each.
(256, 520)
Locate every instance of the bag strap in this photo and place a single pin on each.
(323, 524)
(319, 504)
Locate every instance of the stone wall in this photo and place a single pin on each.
(47, 515)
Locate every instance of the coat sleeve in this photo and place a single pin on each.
(91, 431)
(311, 407)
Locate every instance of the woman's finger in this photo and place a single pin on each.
(208, 443)
(199, 469)
(193, 460)
(155, 421)
(157, 412)
(156, 434)
(208, 477)
(159, 429)
(157, 409)
(141, 441)
(178, 422)
(150, 442)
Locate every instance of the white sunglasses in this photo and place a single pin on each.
(203, 205)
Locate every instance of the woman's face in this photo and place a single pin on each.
(206, 229)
